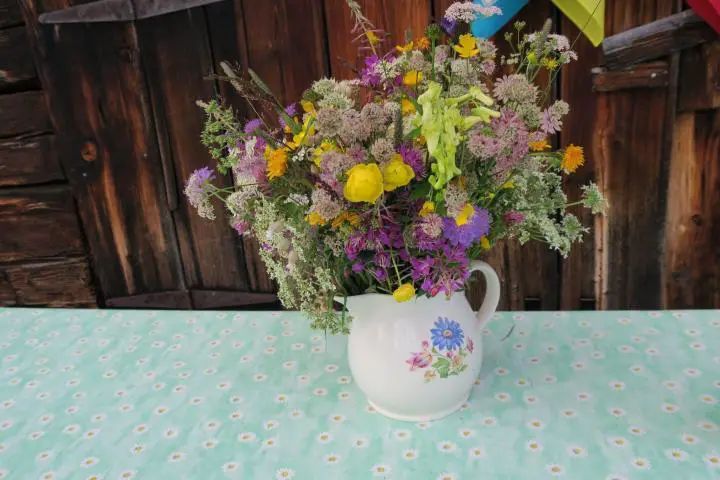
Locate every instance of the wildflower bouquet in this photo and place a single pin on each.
(393, 181)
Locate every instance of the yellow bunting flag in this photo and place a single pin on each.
(588, 15)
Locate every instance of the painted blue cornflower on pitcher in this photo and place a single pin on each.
(449, 337)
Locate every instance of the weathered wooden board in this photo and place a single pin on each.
(22, 113)
(395, 18)
(62, 283)
(656, 39)
(700, 83)
(108, 147)
(7, 293)
(31, 160)
(38, 222)
(16, 61)
(645, 75)
(178, 59)
(580, 273)
(691, 277)
(10, 13)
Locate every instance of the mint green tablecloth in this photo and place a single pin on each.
(172, 395)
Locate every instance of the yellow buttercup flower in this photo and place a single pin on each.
(276, 162)
(315, 219)
(346, 217)
(364, 183)
(412, 78)
(465, 215)
(540, 146)
(572, 159)
(372, 38)
(484, 243)
(407, 107)
(397, 173)
(427, 208)
(467, 46)
(404, 292)
(405, 48)
(423, 43)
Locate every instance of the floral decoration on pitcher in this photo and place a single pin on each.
(447, 355)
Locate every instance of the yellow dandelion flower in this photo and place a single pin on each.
(314, 219)
(572, 159)
(405, 48)
(467, 46)
(423, 43)
(276, 162)
(540, 146)
(346, 217)
(408, 107)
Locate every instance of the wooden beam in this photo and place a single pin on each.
(38, 223)
(208, 299)
(647, 75)
(16, 61)
(170, 300)
(27, 161)
(22, 113)
(10, 14)
(63, 283)
(119, 10)
(656, 39)
(700, 83)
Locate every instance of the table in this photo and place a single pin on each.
(201, 395)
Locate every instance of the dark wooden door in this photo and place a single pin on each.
(122, 91)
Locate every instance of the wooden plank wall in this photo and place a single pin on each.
(123, 130)
(43, 256)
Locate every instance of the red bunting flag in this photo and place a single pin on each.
(709, 10)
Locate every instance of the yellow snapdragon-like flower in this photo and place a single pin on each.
(427, 208)
(465, 215)
(397, 173)
(404, 292)
(276, 162)
(364, 183)
(405, 48)
(467, 46)
(412, 78)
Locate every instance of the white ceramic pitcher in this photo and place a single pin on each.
(418, 360)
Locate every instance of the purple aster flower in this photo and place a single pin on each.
(465, 235)
(252, 125)
(358, 267)
(414, 158)
(448, 26)
(513, 217)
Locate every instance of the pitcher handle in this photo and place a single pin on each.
(492, 291)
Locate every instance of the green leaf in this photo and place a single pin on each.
(443, 372)
(441, 362)
(259, 83)
(462, 368)
(420, 190)
(414, 133)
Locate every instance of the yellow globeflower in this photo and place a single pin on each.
(412, 78)
(276, 162)
(404, 293)
(397, 173)
(465, 215)
(427, 208)
(364, 183)
(467, 46)
(572, 159)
